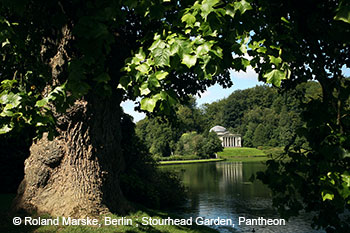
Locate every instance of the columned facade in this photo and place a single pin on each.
(228, 139)
(231, 140)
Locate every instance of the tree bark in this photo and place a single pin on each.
(77, 173)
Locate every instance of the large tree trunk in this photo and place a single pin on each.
(77, 173)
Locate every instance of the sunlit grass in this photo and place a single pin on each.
(230, 152)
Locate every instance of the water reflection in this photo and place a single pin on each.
(223, 190)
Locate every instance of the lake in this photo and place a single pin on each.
(223, 190)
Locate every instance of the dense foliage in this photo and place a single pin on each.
(183, 135)
(192, 143)
(260, 114)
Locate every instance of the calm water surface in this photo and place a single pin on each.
(223, 190)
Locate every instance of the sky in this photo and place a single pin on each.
(241, 80)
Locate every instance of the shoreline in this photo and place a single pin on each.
(172, 162)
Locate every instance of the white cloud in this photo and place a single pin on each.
(204, 94)
(249, 74)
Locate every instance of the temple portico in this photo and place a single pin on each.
(228, 139)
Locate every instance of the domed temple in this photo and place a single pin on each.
(228, 139)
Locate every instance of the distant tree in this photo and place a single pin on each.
(201, 145)
(160, 136)
(189, 143)
(213, 114)
(212, 145)
(189, 117)
(261, 136)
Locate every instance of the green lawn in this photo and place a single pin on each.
(230, 152)
(6, 224)
(246, 154)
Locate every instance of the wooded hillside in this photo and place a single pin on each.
(260, 114)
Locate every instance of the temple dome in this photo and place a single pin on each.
(218, 129)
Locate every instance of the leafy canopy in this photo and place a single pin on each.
(171, 49)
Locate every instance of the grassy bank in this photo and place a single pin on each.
(242, 154)
(231, 152)
(6, 224)
(190, 161)
(246, 154)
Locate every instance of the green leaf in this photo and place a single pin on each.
(343, 12)
(189, 60)
(275, 60)
(5, 129)
(230, 10)
(149, 104)
(346, 178)
(243, 48)
(175, 47)
(170, 97)
(42, 102)
(245, 62)
(254, 45)
(139, 57)
(207, 7)
(285, 20)
(217, 51)
(158, 44)
(203, 49)
(143, 68)
(144, 89)
(160, 75)
(161, 57)
(5, 42)
(153, 82)
(180, 47)
(327, 195)
(7, 84)
(242, 6)
(189, 19)
(275, 77)
(11, 100)
(262, 50)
